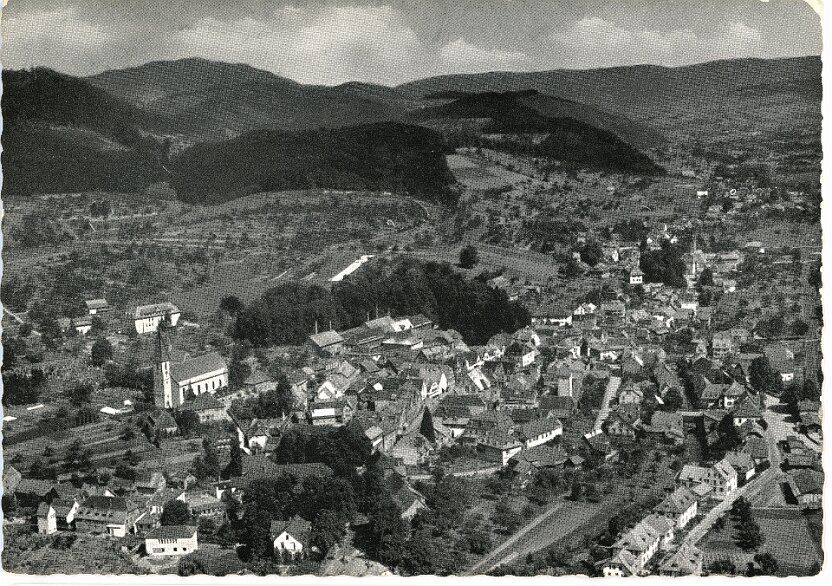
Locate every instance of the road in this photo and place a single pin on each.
(776, 430)
(535, 535)
(610, 392)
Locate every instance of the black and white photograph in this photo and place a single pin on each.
(388, 288)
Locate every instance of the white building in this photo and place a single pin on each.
(169, 540)
(174, 381)
(292, 536)
(148, 317)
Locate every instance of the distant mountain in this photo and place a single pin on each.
(205, 97)
(382, 156)
(62, 134)
(521, 113)
(749, 92)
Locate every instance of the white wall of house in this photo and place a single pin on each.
(285, 542)
(168, 547)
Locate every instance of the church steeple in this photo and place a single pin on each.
(162, 388)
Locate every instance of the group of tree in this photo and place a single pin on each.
(664, 265)
(386, 156)
(277, 402)
(287, 314)
(763, 377)
(21, 388)
(748, 536)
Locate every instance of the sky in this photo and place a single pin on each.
(394, 41)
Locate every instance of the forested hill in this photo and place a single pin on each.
(62, 134)
(569, 140)
(386, 156)
(287, 314)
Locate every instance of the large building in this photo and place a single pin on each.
(148, 317)
(176, 381)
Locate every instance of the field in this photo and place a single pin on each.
(28, 553)
(787, 538)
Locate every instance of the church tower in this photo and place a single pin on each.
(162, 388)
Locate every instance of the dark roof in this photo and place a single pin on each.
(33, 486)
(203, 402)
(297, 527)
(172, 532)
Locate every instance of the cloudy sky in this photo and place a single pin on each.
(392, 41)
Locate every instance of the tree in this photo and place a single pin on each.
(763, 377)
(231, 304)
(327, 529)
(101, 352)
(207, 466)
(426, 428)
(80, 394)
(768, 564)
(505, 516)
(175, 512)
(235, 464)
(188, 422)
(468, 257)
(190, 565)
(706, 278)
(724, 567)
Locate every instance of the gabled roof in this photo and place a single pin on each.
(297, 527)
(679, 501)
(197, 366)
(172, 532)
(324, 339)
(687, 560)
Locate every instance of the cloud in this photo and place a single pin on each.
(330, 46)
(460, 55)
(29, 39)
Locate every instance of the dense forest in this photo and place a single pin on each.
(569, 140)
(386, 156)
(287, 314)
(85, 138)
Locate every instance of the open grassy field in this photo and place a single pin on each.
(787, 538)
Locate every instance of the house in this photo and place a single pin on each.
(47, 519)
(335, 412)
(539, 431)
(169, 540)
(747, 409)
(685, 561)
(82, 324)
(11, 478)
(31, 491)
(806, 487)
(207, 408)
(743, 463)
(110, 515)
(680, 507)
(720, 478)
(328, 343)
(498, 446)
(636, 277)
(637, 547)
(668, 424)
(292, 536)
(147, 318)
(96, 306)
(781, 360)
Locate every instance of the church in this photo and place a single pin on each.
(178, 377)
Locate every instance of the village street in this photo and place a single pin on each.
(610, 392)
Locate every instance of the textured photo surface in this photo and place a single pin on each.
(388, 288)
